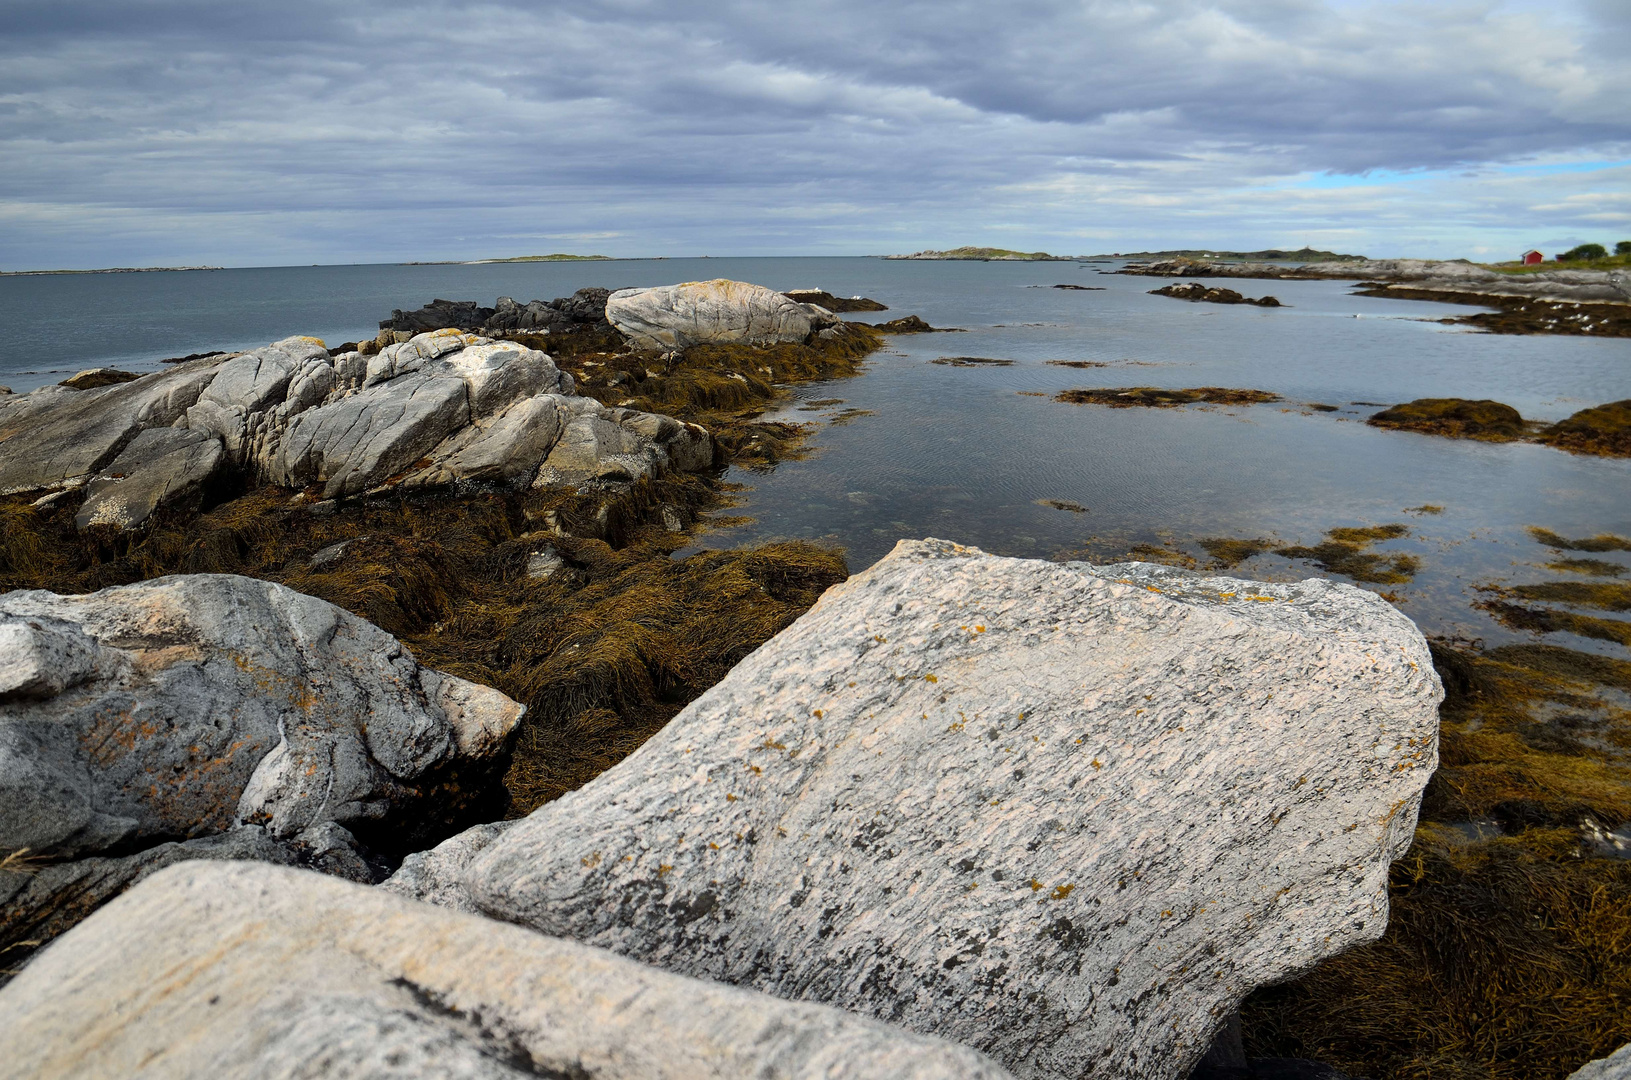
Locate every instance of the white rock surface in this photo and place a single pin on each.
(1616, 1066)
(245, 970)
(709, 312)
(186, 707)
(441, 409)
(1068, 815)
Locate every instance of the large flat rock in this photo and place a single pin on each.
(189, 707)
(715, 312)
(220, 970)
(1068, 815)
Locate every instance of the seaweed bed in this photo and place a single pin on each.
(1520, 314)
(1604, 431)
(1161, 398)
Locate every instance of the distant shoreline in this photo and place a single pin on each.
(513, 259)
(108, 270)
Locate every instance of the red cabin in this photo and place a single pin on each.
(1531, 257)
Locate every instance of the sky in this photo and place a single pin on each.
(181, 132)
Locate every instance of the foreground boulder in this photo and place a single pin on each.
(1616, 1066)
(442, 409)
(1068, 815)
(216, 716)
(245, 970)
(718, 312)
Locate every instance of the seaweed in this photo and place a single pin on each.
(1346, 551)
(1062, 504)
(1604, 595)
(971, 361)
(1592, 567)
(1228, 553)
(1162, 398)
(1552, 621)
(1599, 543)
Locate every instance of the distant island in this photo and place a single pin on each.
(987, 254)
(1306, 254)
(557, 257)
(108, 270)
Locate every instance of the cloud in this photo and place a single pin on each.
(183, 131)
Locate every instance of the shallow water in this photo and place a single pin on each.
(964, 453)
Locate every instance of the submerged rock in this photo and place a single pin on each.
(440, 409)
(1068, 815)
(248, 970)
(718, 312)
(215, 716)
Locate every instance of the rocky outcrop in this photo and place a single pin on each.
(1431, 275)
(823, 298)
(1068, 815)
(248, 970)
(586, 307)
(216, 716)
(443, 408)
(1196, 292)
(718, 312)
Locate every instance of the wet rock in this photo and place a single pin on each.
(841, 304)
(1196, 292)
(160, 467)
(718, 312)
(1616, 1066)
(1604, 430)
(184, 708)
(95, 377)
(439, 315)
(544, 564)
(911, 324)
(1068, 815)
(254, 970)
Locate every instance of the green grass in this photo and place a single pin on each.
(1610, 263)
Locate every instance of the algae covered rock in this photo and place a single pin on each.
(228, 970)
(1067, 815)
(182, 709)
(718, 312)
(1456, 418)
(1604, 430)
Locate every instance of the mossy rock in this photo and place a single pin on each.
(1604, 430)
(1455, 418)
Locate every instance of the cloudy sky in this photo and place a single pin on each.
(147, 132)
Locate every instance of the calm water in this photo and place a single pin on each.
(964, 453)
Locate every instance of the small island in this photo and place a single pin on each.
(557, 257)
(987, 254)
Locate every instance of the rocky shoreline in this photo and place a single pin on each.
(406, 609)
(1596, 302)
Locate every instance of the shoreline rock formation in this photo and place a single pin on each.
(218, 716)
(1066, 815)
(231, 970)
(1195, 291)
(719, 312)
(442, 409)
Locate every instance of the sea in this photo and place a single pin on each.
(983, 454)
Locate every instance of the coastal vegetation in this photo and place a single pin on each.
(986, 254)
(1601, 431)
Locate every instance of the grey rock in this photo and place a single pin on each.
(1616, 1066)
(619, 446)
(185, 707)
(1067, 815)
(53, 439)
(249, 970)
(160, 467)
(1594, 837)
(359, 442)
(329, 555)
(707, 312)
(544, 564)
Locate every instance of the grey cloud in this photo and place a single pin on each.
(369, 130)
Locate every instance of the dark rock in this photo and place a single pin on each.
(911, 324)
(583, 306)
(827, 300)
(439, 315)
(1195, 291)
